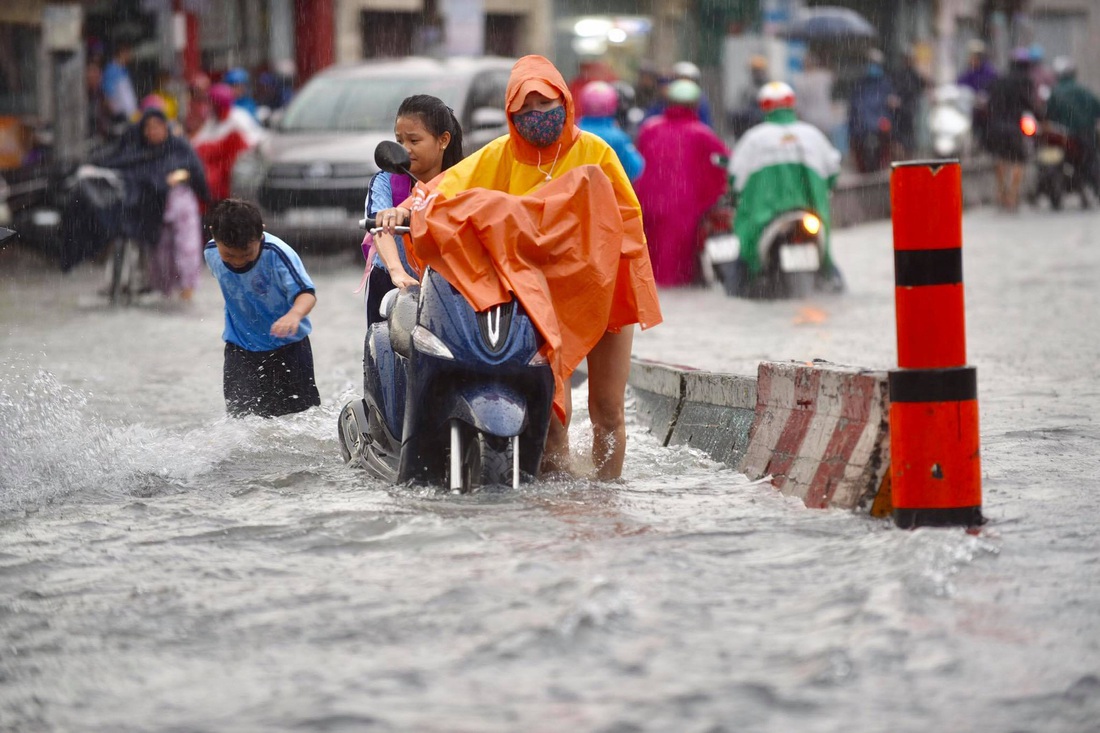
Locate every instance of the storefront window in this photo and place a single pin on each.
(18, 70)
(619, 41)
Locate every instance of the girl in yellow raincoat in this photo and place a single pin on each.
(547, 212)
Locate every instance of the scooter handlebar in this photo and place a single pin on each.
(372, 226)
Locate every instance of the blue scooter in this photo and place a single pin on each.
(452, 397)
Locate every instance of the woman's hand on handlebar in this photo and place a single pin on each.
(389, 219)
(402, 279)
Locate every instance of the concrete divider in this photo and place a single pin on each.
(820, 430)
(659, 392)
(716, 413)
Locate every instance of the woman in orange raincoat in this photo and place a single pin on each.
(547, 212)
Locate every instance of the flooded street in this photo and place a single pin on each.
(164, 568)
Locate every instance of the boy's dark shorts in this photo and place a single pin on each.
(269, 383)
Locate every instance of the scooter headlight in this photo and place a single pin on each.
(427, 342)
(811, 224)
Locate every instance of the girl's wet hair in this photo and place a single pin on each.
(437, 119)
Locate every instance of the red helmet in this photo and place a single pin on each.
(598, 99)
(775, 95)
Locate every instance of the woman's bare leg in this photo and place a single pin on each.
(608, 371)
(1000, 169)
(555, 457)
(1016, 177)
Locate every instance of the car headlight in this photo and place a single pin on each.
(248, 174)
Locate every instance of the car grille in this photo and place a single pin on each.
(316, 185)
(280, 199)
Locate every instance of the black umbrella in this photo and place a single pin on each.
(829, 22)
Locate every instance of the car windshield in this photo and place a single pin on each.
(342, 104)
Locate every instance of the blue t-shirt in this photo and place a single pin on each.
(379, 197)
(261, 294)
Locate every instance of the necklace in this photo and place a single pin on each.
(552, 164)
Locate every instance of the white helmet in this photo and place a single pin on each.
(686, 70)
(1063, 66)
(775, 95)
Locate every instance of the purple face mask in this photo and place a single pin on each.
(540, 128)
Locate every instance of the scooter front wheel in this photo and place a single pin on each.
(479, 460)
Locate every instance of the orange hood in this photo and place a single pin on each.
(536, 73)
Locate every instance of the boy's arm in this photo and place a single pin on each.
(288, 324)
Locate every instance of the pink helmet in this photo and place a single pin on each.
(598, 99)
(152, 101)
(221, 96)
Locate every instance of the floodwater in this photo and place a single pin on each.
(163, 568)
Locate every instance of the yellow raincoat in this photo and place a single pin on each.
(560, 227)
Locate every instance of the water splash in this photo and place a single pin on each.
(53, 446)
(50, 446)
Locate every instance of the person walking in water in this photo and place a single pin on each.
(546, 212)
(268, 297)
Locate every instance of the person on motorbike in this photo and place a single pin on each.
(1077, 109)
(780, 165)
(979, 77)
(230, 131)
(427, 128)
(747, 113)
(600, 103)
(1010, 98)
(164, 183)
(679, 184)
(547, 212)
(871, 109)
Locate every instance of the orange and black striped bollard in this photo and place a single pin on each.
(935, 465)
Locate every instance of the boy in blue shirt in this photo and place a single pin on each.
(268, 296)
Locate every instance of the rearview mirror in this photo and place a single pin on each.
(391, 157)
(486, 117)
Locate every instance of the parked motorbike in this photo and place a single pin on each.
(451, 396)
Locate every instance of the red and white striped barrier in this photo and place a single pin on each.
(821, 431)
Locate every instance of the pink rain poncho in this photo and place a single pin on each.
(680, 182)
(176, 262)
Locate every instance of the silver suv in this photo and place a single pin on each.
(310, 175)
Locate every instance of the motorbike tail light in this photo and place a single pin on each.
(811, 224)
(720, 220)
(1028, 125)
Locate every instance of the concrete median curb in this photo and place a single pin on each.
(820, 430)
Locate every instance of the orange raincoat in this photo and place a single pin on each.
(560, 227)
